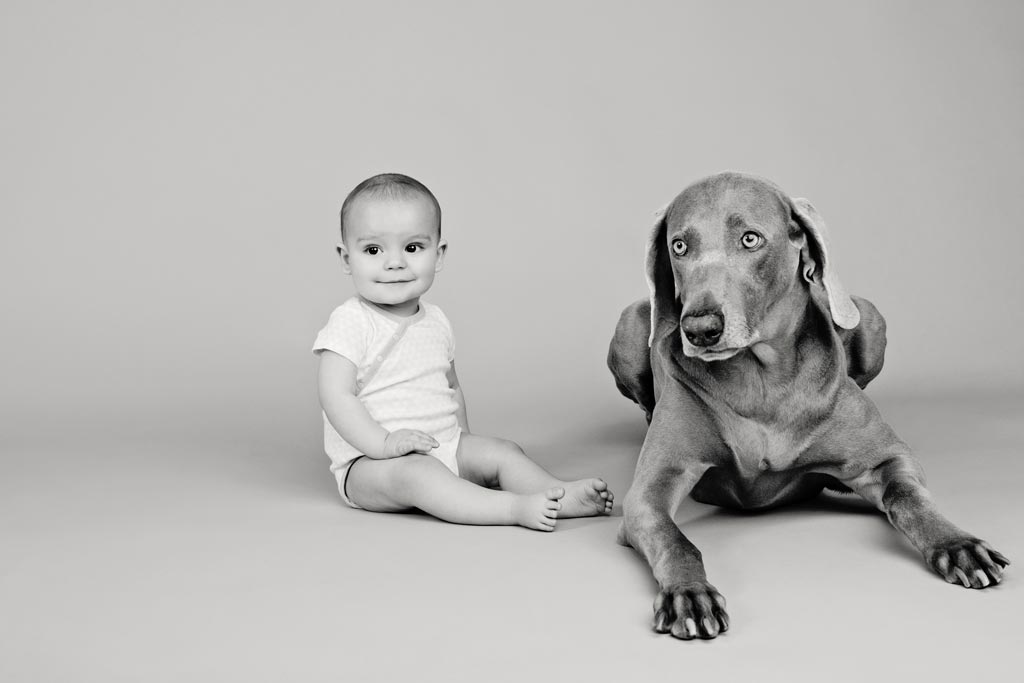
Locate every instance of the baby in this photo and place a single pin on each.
(395, 424)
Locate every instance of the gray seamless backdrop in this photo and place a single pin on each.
(171, 175)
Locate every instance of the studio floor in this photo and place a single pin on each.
(131, 557)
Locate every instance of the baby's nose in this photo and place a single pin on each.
(396, 261)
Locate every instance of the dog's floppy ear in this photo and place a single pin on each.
(660, 281)
(816, 264)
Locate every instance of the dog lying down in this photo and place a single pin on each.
(749, 361)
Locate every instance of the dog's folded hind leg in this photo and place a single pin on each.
(629, 356)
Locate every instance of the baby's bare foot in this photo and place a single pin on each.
(538, 510)
(585, 498)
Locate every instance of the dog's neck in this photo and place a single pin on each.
(783, 347)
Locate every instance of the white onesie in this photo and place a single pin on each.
(401, 376)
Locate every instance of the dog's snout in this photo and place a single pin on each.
(703, 328)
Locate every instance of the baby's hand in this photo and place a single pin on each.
(405, 441)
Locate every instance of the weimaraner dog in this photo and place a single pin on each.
(749, 361)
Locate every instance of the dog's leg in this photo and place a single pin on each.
(896, 486)
(687, 605)
(629, 356)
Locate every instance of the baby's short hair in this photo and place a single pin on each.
(389, 186)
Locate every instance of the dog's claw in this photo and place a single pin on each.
(691, 628)
(662, 619)
(662, 614)
(997, 556)
(942, 567)
(690, 610)
(969, 562)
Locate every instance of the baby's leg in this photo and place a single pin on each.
(501, 464)
(422, 481)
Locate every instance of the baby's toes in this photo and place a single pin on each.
(609, 501)
(554, 494)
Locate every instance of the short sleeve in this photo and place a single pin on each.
(347, 334)
(450, 334)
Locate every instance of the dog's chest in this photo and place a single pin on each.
(758, 447)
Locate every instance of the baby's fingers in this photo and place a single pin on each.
(426, 436)
(414, 442)
(421, 443)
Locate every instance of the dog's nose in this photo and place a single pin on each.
(704, 328)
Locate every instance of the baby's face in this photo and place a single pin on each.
(392, 251)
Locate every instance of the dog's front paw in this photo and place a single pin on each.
(690, 610)
(968, 561)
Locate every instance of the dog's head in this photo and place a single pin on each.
(726, 253)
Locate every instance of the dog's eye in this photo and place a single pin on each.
(751, 240)
(678, 247)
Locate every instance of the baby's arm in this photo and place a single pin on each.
(349, 417)
(453, 382)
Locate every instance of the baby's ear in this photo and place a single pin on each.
(442, 249)
(343, 253)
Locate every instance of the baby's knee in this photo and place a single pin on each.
(510, 447)
(406, 472)
(385, 485)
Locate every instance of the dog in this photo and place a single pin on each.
(749, 361)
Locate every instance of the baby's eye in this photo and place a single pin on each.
(678, 247)
(372, 250)
(751, 240)
(413, 248)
